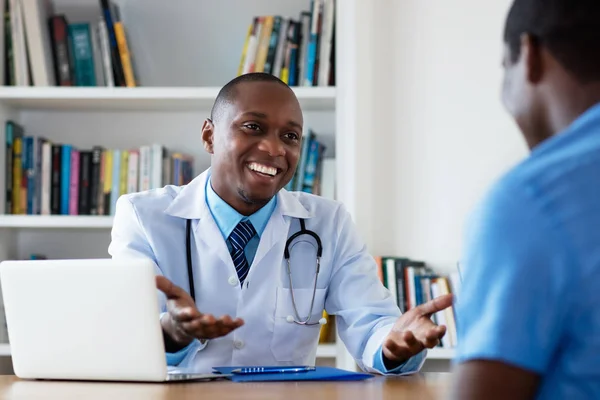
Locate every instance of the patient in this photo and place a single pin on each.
(528, 314)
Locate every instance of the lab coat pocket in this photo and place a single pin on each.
(291, 341)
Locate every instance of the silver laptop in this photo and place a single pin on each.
(93, 319)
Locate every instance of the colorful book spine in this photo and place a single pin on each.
(74, 185)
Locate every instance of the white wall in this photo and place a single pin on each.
(442, 134)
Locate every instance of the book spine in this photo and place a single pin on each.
(65, 179)
(125, 54)
(37, 198)
(60, 50)
(273, 41)
(132, 174)
(74, 188)
(29, 173)
(116, 174)
(123, 171)
(9, 169)
(117, 68)
(85, 163)
(46, 178)
(109, 78)
(100, 193)
(83, 54)
(108, 173)
(95, 179)
(55, 181)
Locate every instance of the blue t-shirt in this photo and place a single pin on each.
(531, 275)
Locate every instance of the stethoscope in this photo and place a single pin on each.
(286, 254)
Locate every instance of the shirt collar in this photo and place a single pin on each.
(227, 217)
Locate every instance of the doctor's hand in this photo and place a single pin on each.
(414, 331)
(184, 323)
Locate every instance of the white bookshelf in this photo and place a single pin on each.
(143, 99)
(440, 353)
(182, 56)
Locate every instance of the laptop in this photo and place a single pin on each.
(90, 319)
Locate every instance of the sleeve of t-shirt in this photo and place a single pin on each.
(512, 306)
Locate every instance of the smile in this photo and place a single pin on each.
(263, 169)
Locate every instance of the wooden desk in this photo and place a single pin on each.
(422, 386)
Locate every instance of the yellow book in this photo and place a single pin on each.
(108, 167)
(124, 53)
(245, 49)
(263, 46)
(325, 330)
(123, 172)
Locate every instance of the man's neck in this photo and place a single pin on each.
(237, 201)
(571, 105)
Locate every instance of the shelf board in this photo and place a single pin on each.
(328, 350)
(56, 221)
(139, 98)
(440, 353)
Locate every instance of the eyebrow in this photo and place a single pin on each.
(263, 115)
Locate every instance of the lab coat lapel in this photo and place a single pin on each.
(190, 203)
(276, 231)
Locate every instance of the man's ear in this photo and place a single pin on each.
(208, 135)
(533, 59)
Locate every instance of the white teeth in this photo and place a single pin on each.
(263, 169)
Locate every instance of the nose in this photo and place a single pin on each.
(272, 145)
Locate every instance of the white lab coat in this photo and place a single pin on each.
(152, 224)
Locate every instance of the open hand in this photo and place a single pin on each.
(414, 331)
(184, 323)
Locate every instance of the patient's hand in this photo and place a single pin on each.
(184, 323)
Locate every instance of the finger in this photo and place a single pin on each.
(433, 336)
(184, 314)
(437, 332)
(204, 328)
(432, 306)
(171, 290)
(400, 346)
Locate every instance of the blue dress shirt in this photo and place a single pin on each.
(227, 219)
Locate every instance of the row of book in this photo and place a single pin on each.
(46, 178)
(412, 282)
(314, 173)
(301, 52)
(42, 48)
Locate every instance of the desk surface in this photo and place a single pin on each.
(421, 386)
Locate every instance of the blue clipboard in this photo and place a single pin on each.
(319, 374)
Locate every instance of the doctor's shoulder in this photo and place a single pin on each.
(149, 203)
(320, 207)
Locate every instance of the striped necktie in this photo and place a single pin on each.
(239, 238)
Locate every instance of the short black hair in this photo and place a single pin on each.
(568, 29)
(227, 92)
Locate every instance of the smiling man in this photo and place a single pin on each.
(225, 239)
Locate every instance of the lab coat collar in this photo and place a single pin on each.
(190, 202)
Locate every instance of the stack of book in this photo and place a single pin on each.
(412, 282)
(314, 173)
(301, 52)
(44, 178)
(42, 48)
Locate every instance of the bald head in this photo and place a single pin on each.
(228, 92)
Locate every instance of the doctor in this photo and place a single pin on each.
(224, 239)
